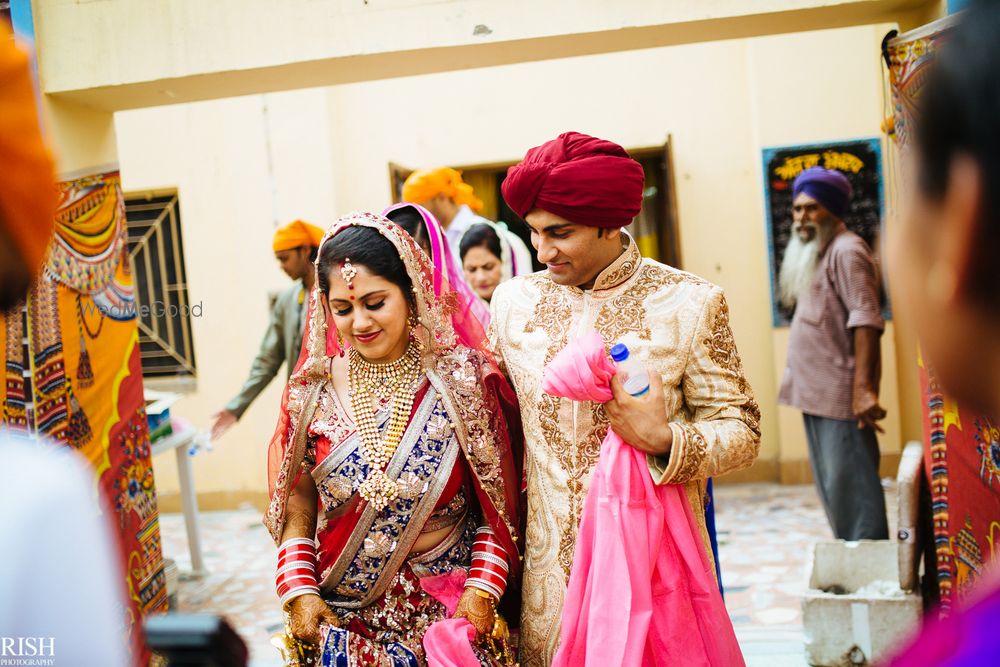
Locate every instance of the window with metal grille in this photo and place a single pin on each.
(156, 252)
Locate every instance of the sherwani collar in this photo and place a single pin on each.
(617, 272)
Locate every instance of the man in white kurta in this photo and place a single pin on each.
(699, 419)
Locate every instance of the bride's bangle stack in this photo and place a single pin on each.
(489, 564)
(296, 573)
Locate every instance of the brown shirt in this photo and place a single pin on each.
(819, 377)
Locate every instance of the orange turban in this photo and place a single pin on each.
(426, 184)
(27, 188)
(297, 234)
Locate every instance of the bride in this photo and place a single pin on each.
(393, 470)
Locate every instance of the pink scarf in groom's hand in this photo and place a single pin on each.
(642, 591)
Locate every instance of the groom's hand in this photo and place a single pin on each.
(641, 421)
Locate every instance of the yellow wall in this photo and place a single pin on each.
(722, 102)
(121, 54)
(83, 139)
(241, 166)
(835, 93)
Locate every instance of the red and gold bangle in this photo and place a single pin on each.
(296, 571)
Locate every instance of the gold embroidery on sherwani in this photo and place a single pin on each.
(553, 315)
(626, 313)
(621, 269)
(722, 348)
(664, 315)
(695, 451)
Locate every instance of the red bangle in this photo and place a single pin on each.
(489, 563)
(296, 571)
(483, 585)
(489, 549)
(491, 577)
(295, 556)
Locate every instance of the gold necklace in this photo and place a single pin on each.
(396, 381)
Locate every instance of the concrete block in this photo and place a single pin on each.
(854, 611)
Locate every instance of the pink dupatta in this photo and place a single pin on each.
(642, 591)
(447, 268)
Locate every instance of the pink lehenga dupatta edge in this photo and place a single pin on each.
(642, 591)
(447, 268)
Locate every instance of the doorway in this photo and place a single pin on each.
(654, 229)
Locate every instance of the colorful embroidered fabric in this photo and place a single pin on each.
(908, 56)
(81, 373)
(390, 631)
(962, 461)
(961, 449)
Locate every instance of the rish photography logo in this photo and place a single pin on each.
(27, 651)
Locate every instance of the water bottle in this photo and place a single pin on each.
(633, 374)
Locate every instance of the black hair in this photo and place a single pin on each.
(958, 114)
(313, 251)
(477, 235)
(364, 246)
(409, 218)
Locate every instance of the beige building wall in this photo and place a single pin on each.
(836, 93)
(721, 102)
(241, 166)
(172, 51)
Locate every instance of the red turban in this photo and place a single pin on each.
(586, 180)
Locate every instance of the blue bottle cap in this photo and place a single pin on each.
(619, 352)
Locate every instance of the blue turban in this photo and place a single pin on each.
(827, 186)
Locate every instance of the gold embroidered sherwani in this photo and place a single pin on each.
(674, 321)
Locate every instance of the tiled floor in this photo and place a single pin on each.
(766, 533)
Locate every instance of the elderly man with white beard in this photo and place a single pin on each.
(798, 265)
(834, 367)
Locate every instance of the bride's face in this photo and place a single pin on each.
(371, 314)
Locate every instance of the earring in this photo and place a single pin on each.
(334, 341)
(414, 338)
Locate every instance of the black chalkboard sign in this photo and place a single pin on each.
(860, 160)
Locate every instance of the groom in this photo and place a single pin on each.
(699, 418)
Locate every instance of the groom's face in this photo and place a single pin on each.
(573, 253)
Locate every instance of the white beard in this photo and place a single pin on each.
(797, 268)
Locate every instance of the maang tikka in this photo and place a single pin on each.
(348, 272)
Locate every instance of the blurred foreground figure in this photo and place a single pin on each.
(60, 587)
(27, 190)
(61, 592)
(943, 263)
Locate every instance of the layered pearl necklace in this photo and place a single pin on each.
(396, 382)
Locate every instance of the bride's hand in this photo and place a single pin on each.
(305, 614)
(479, 610)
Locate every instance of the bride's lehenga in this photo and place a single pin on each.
(454, 473)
